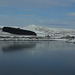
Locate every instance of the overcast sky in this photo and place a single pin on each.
(52, 13)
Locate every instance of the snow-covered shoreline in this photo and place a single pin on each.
(43, 34)
(31, 39)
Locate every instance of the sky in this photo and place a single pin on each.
(52, 13)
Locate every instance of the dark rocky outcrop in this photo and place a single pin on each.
(18, 31)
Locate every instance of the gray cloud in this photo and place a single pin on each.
(70, 14)
(35, 3)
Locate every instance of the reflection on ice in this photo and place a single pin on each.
(37, 57)
(34, 46)
(8, 46)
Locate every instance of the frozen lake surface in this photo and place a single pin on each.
(37, 58)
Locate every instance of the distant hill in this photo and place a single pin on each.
(44, 31)
(52, 32)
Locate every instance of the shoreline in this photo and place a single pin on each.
(30, 39)
(36, 39)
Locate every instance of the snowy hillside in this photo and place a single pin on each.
(43, 31)
(52, 32)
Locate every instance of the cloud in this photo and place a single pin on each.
(72, 0)
(35, 3)
(70, 14)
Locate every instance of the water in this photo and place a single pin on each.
(37, 58)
